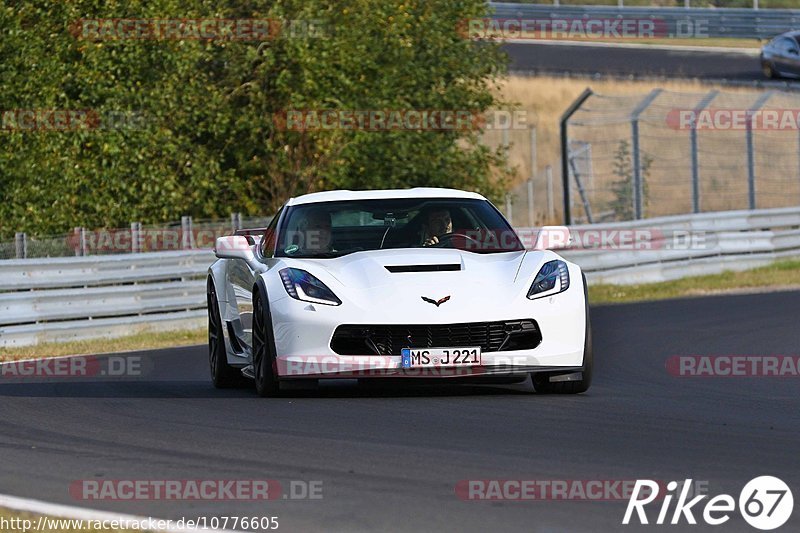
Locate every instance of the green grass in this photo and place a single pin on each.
(783, 274)
(140, 341)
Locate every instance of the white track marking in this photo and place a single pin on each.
(81, 513)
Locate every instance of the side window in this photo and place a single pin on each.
(270, 236)
(786, 45)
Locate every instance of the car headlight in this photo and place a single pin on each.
(301, 285)
(552, 278)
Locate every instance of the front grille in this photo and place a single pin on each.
(389, 339)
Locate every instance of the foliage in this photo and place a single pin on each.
(623, 191)
(202, 140)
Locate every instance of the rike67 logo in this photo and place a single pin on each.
(765, 503)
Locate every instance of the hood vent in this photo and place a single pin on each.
(423, 268)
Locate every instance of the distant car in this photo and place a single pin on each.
(395, 284)
(781, 56)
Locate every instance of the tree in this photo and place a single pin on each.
(205, 141)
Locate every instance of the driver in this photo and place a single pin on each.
(437, 223)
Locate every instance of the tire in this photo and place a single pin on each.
(264, 360)
(223, 375)
(541, 380)
(768, 70)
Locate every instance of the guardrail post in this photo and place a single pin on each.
(638, 185)
(693, 141)
(509, 213)
(21, 245)
(187, 237)
(548, 176)
(565, 151)
(136, 237)
(751, 166)
(236, 221)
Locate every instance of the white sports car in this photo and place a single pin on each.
(419, 283)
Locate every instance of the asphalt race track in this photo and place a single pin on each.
(389, 459)
(641, 62)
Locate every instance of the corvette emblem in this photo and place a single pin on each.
(437, 303)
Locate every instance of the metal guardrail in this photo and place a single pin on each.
(743, 23)
(61, 299)
(729, 240)
(75, 298)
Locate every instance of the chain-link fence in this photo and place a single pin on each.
(537, 199)
(667, 153)
(186, 234)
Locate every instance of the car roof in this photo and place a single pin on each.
(385, 194)
(794, 34)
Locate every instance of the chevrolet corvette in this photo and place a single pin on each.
(419, 283)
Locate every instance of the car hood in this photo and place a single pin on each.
(364, 280)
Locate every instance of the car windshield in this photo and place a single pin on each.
(333, 229)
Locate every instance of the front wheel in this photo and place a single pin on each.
(541, 380)
(264, 361)
(768, 70)
(223, 375)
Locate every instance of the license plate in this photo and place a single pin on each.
(440, 357)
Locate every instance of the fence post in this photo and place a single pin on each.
(548, 176)
(751, 165)
(587, 207)
(21, 245)
(534, 154)
(187, 240)
(638, 186)
(236, 221)
(565, 151)
(531, 217)
(80, 234)
(693, 140)
(76, 235)
(136, 232)
(509, 213)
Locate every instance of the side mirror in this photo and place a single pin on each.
(237, 247)
(794, 52)
(552, 238)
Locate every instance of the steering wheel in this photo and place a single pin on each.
(447, 237)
